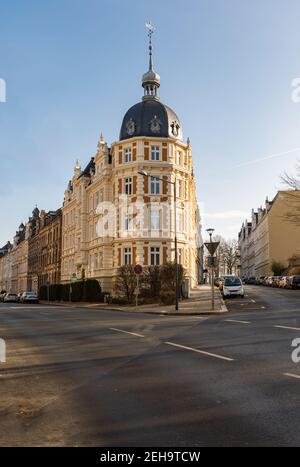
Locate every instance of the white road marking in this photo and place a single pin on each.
(263, 307)
(126, 332)
(287, 327)
(28, 307)
(292, 375)
(237, 321)
(200, 351)
(252, 300)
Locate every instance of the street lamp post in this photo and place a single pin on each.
(210, 232)
(146, 174)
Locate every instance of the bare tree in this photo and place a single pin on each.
(230, 255)
(292, 183)
(126, 282)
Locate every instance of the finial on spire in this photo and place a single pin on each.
(77, 168)
(102, 140)
(150, 28)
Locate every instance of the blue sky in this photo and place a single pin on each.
(73, 67)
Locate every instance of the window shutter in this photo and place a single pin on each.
(119, 256)
(134, 185)
(134, 255)
(164, 154)
(165, 249)
(120, 185)
(145, 255)
(134, 154)
(146, 154)
(146, 183)
(120, 157)
(165, 184)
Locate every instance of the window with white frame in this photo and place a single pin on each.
(128, 186)
(154, 186)
(180, 256)
(127, 153)
(180, 220)
(179, 157)
(155, 153)
(128, 222)
(127, 255)
(155, 219)
(155, 256)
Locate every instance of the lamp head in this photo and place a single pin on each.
(143, 172)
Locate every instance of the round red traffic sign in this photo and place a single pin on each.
(138, 269)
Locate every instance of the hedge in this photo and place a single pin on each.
(88, 290)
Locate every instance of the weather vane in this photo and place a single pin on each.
(150, 28)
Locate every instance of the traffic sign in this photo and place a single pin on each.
(212, 262)
(212, 246)
(73, 277)
(138, 269)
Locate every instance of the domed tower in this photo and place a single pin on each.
(150, 117)
(149, 158)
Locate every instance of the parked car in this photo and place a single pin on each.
(19, 297)
(2, 295)
(29, 297)
(251, 280)
(269, 281)
(10, 297)
(233, 286)
(221, 282)
(275, 281)
(265, 280)
(294, 282)
(284, 282)
(259, 280)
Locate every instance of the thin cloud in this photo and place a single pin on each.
(225, 215)
(271, 156)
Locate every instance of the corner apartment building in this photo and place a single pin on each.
(114, 215)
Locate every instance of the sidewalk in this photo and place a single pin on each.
(198, 303)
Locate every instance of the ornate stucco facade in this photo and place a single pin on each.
(270, 236)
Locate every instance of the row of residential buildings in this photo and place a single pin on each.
(272, 235)
(118, 209)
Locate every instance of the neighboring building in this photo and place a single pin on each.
(270, 236)
(5, 267)
(19, 260)
(44, 248)
(113, 215)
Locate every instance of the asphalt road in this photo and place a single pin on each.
(81, 377)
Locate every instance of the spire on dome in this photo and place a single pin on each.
(151, 79)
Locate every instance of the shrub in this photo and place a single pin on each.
(167, 297)
(168, 278)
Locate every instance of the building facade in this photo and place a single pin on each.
(5, 267)
(120, 208)
(271, 236)
(44, 248)
(19, 260)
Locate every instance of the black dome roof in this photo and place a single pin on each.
(150, 118)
